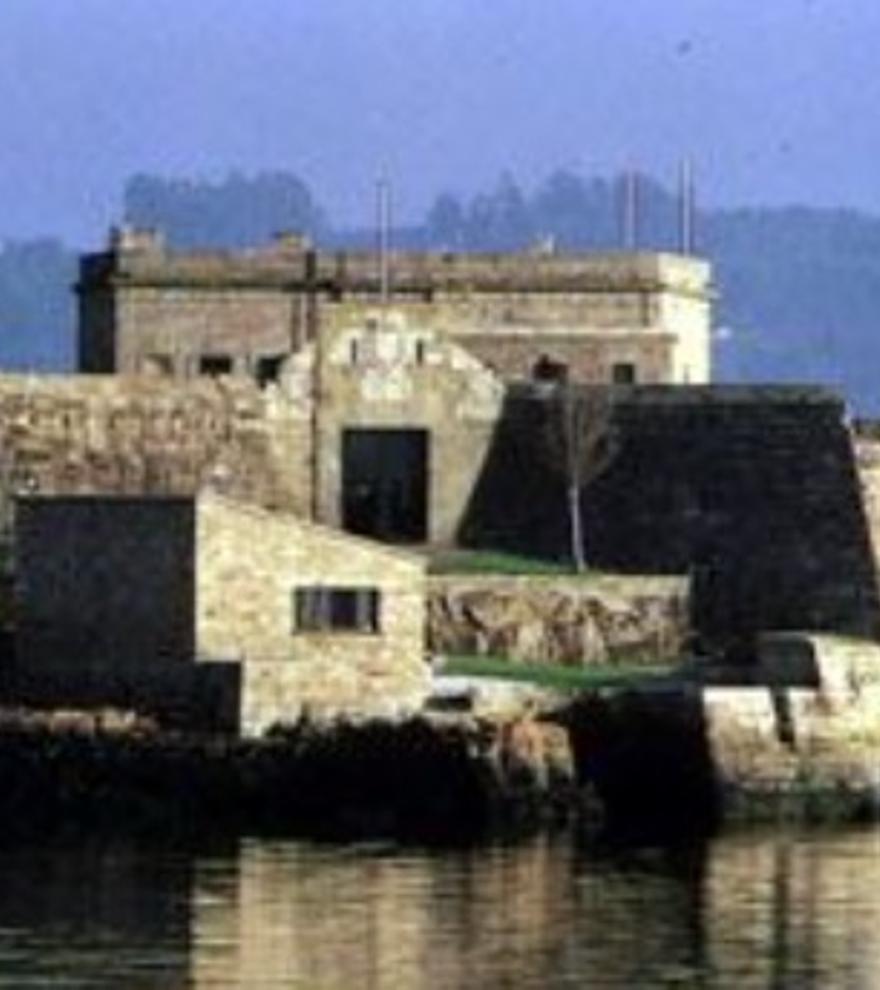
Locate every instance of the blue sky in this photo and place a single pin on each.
(776, 100)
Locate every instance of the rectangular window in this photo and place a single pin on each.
(328, 609)
(213, 365)
(623, 373)
(269, 369)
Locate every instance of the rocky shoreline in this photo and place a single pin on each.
(676, 758)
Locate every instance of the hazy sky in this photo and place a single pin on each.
(777, 100)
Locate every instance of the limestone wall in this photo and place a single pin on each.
(144, 306)
(598, 619)
(133, 435)
(177, 325)
(393, 369)
(589, 356)
(249, 564)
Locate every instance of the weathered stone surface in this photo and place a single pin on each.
(687, 751)
(139, 435)
(144, 306)
(560, 620)
(141, 601)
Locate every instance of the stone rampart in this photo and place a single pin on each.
(754, 492)
(139, 435)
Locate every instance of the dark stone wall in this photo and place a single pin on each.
(104, 584)
(752, 491)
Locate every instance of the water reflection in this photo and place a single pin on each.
(773, 910)
(93, 915)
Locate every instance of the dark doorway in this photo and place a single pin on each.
(385, 484)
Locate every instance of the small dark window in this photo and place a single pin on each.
(623, 373)
(269, 369)
(353, 352)
(420, 352)
(319, 609)
(213, 365)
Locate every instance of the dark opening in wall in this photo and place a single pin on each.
(328, 609)
(623, 373)
(547, 369)
(213, 365)
(385, 483)
(269, 369)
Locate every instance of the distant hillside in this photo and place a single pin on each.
(799, 287)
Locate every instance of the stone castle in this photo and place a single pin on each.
(406, 402)
(625, 317)
(381, 389)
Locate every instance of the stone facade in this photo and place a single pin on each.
(763, 495)
(250, 564)
(145, 308)
(123, 599)
(68, 434)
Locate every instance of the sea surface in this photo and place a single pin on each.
(773, 909)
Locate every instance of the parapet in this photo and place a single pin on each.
(142, 258)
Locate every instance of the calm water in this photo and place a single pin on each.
(773, 910)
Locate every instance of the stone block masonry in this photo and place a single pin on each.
(119, 435)
(145, 307)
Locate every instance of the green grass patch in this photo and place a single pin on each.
(561, 678)
(496, 562)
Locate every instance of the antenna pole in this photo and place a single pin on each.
(630, 209)
(383, 226)
(686, 205)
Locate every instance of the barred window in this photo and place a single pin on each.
(329, 609)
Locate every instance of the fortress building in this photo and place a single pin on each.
(411, 408)
(386, 376)
(617, 317)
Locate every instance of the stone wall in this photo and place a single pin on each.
(123, 601)
(105, 612)
(391, 369)
(598, 619)
(139, 435)
(249, 564)
(752, 491)
(797, 737)
(104, 584)
(144, 306)
(588, 357)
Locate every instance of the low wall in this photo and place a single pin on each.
(569, 620)
(776, 749)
